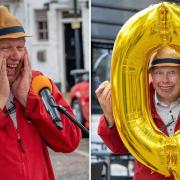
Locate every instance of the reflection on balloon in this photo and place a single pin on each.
(149, 29)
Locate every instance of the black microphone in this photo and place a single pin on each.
(42, 86)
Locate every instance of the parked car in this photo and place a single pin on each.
(79, 96)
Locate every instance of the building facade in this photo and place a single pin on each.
(60, 36)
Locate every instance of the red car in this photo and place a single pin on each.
(79, 96)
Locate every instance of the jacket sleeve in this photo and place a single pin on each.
(111, 137)
(65, 140)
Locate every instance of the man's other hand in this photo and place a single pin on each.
(103, 93)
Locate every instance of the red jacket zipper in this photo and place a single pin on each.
(20, 142)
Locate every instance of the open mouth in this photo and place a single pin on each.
(11, 69)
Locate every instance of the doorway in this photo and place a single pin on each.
(70, 52)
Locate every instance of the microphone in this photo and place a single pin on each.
(42, 86)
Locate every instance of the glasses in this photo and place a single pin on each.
(168, 124)
(160, 74)
(11, 110)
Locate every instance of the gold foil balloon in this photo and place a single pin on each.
(143, 33)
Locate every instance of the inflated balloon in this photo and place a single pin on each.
(156, 26)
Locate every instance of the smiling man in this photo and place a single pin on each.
(26, 128)
(164, 102)
(14, 58)
(14, 51)
(165, 73)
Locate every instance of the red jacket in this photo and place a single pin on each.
(23, 151)
(114, 142)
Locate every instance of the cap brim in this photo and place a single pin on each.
(164, 65)
(15, 35)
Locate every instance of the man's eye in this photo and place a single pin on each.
(172, 73)
(158, 73)
(20, 47)
(4, 48)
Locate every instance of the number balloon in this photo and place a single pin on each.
(149, 29)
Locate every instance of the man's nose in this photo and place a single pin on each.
(14, 54)
(165, 78)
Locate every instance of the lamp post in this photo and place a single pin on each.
(76, 26)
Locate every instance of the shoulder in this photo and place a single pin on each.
(151, 88)
(36, 73)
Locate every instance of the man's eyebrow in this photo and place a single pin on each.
(22, 41)
(4, 45)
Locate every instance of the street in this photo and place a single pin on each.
(116, 169)
(72, 165)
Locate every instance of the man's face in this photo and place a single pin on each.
(13, 51)
(166, 81)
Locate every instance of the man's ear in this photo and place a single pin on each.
(150, 78)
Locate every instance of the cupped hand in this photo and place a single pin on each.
(4, 82)
(103, 93)
(21, 85)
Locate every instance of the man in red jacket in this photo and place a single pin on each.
(164, 101)
(26, 129)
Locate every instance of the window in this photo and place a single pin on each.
(41, 56)
(41, 25)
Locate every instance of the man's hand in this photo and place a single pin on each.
(4, 82)
(21, 85)
(103, 94)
